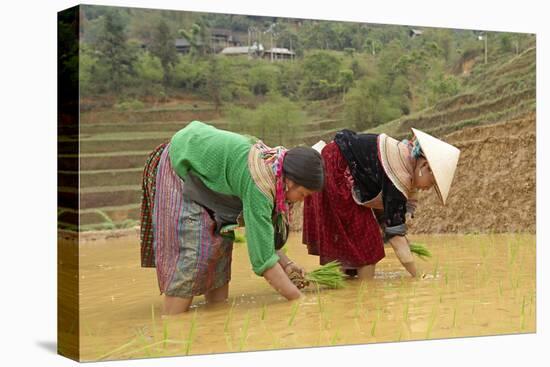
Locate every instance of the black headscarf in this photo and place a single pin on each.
(304, 166)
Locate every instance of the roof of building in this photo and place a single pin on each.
(235, 50)
(182, 42)
(277, 50)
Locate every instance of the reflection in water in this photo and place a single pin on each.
(473, 285)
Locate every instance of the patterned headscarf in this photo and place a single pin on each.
(266, 169)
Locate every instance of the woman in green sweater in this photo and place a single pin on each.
(200, 186)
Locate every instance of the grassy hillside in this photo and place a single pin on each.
(501, 91)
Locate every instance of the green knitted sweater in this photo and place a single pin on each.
(220, 159)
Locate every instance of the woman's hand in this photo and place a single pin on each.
(294, 271)
(296, 275)
(292, 267)
(281, 282)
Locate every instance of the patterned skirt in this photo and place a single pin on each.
(335, 227)
(190, 258)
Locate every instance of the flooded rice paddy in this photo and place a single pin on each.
(473, 285)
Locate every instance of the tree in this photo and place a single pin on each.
(164, 48)
(276, 122)
(369, 105)
(114, 53)
(195, 36)
(346, 81)
(216, 82)
(320, 79)
(149, 68)
(261, 79)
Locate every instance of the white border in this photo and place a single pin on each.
(28, 67)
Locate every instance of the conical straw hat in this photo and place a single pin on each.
(442, 158)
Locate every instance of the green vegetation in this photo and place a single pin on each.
(367, 77)
(420, 250)
(379, 72)
(328, 275)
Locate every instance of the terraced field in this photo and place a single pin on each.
(113, 146)
(492, 121)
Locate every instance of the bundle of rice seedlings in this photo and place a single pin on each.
(239, 237)
(420, 250)
(328, 275)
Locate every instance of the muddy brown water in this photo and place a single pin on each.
(473, 285)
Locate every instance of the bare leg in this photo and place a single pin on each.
(175, 305)
(217, 295)
(366, 272)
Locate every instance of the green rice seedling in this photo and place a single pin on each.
(122, 347)
(327, 322)
(373, 328)
(359, 301)
(127, 223)
(334, 338)
(228, 341)
(531, 303)
(500, 288)
(431, 323)
(87, 328)
(401, 282)
(357, 326)
(406, 312)
(420, 250)
(153, 323)
(486, 275)
(293, 313)
(454, 316)
(266, 328)
(375, 322)
(522, 315)
(513, 249)
(229, 316)
(484, 249)
(322, 315)
(141, 337)
(244, 333)
(264, 311)
(139, 350)
(164, 332)
(436, 266)
(239, 237)
(191, 333)
(400, 333)
(329, 275)
(319, 300)
(108, 224)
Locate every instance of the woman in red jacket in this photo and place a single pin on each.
(365, 173)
